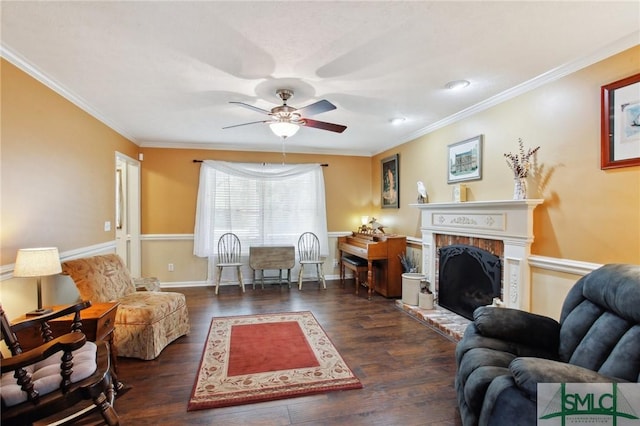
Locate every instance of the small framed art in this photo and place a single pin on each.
(390, 183)
(464, 160)
(620, 123)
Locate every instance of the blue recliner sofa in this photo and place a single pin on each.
(505, 353)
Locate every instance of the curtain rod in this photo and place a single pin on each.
(200, 161)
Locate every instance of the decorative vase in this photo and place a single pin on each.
(425, 300)
(519, 188)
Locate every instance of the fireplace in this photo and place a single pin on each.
(507, 224)
(468, 277)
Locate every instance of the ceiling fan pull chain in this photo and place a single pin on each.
(284, 154)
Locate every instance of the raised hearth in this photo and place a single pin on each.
(442, 320)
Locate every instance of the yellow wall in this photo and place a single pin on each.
(57, 177)
(589, 214)
(170, 186)
(169, 192)
(58, 167)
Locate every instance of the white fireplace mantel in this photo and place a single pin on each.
(510, 221)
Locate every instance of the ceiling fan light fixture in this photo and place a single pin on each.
(284, 129)
(457, 84)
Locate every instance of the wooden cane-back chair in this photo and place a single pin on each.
(56, 376)
(229, 256)
(309, 254)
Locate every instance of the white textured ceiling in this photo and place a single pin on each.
(163, 73)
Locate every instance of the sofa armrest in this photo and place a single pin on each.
(528, 372)
(519, 327)
(147, 284)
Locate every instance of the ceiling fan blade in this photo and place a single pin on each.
(316, 108)
(338, 128)
(246, 124)
(255, 108)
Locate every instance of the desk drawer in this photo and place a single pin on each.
(105, 324)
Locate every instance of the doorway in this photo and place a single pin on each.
(127, 215)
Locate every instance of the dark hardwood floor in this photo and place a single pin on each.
(406, 368)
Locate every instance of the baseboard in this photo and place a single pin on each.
(182, 284)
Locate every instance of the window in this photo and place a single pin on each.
(261, 203)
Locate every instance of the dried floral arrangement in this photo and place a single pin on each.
(520, 163)
(408, 264)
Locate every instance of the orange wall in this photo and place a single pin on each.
(57, 169)
(170, 186)
(588, 214)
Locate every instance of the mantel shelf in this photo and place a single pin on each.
(490, 204)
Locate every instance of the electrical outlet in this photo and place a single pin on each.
(107, 226)
(170, 267)
(335, 263)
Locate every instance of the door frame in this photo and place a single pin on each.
(127, 203)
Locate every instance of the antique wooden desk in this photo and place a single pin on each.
(98, 322)
(271, 257)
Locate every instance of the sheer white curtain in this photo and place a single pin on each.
(261, 203)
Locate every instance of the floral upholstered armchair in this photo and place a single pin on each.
(146, 321)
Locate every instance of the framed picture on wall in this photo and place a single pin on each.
(390, 183)
(620, 123)
(464, 160)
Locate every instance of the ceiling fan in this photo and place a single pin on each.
(286, 120)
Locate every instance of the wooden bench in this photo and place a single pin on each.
(359, 268)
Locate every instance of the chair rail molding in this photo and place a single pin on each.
(6, 271)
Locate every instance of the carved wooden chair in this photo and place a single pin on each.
(56, 376)
(229, 256)
(309, 254)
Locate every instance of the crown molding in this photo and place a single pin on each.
(618, 46)
(60, 89)
(231, 147)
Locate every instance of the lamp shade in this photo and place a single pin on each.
(284, 129)
(37, 262)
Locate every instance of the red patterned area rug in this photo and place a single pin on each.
(255, 358)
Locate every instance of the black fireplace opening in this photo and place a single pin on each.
(469, 277)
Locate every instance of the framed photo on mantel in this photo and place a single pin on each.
(390, 183)
(620, 123)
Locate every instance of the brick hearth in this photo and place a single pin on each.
(443, 321)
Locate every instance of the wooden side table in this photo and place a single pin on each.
(98, 323)
(268, 257)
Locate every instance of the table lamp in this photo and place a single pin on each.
(37, 262)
